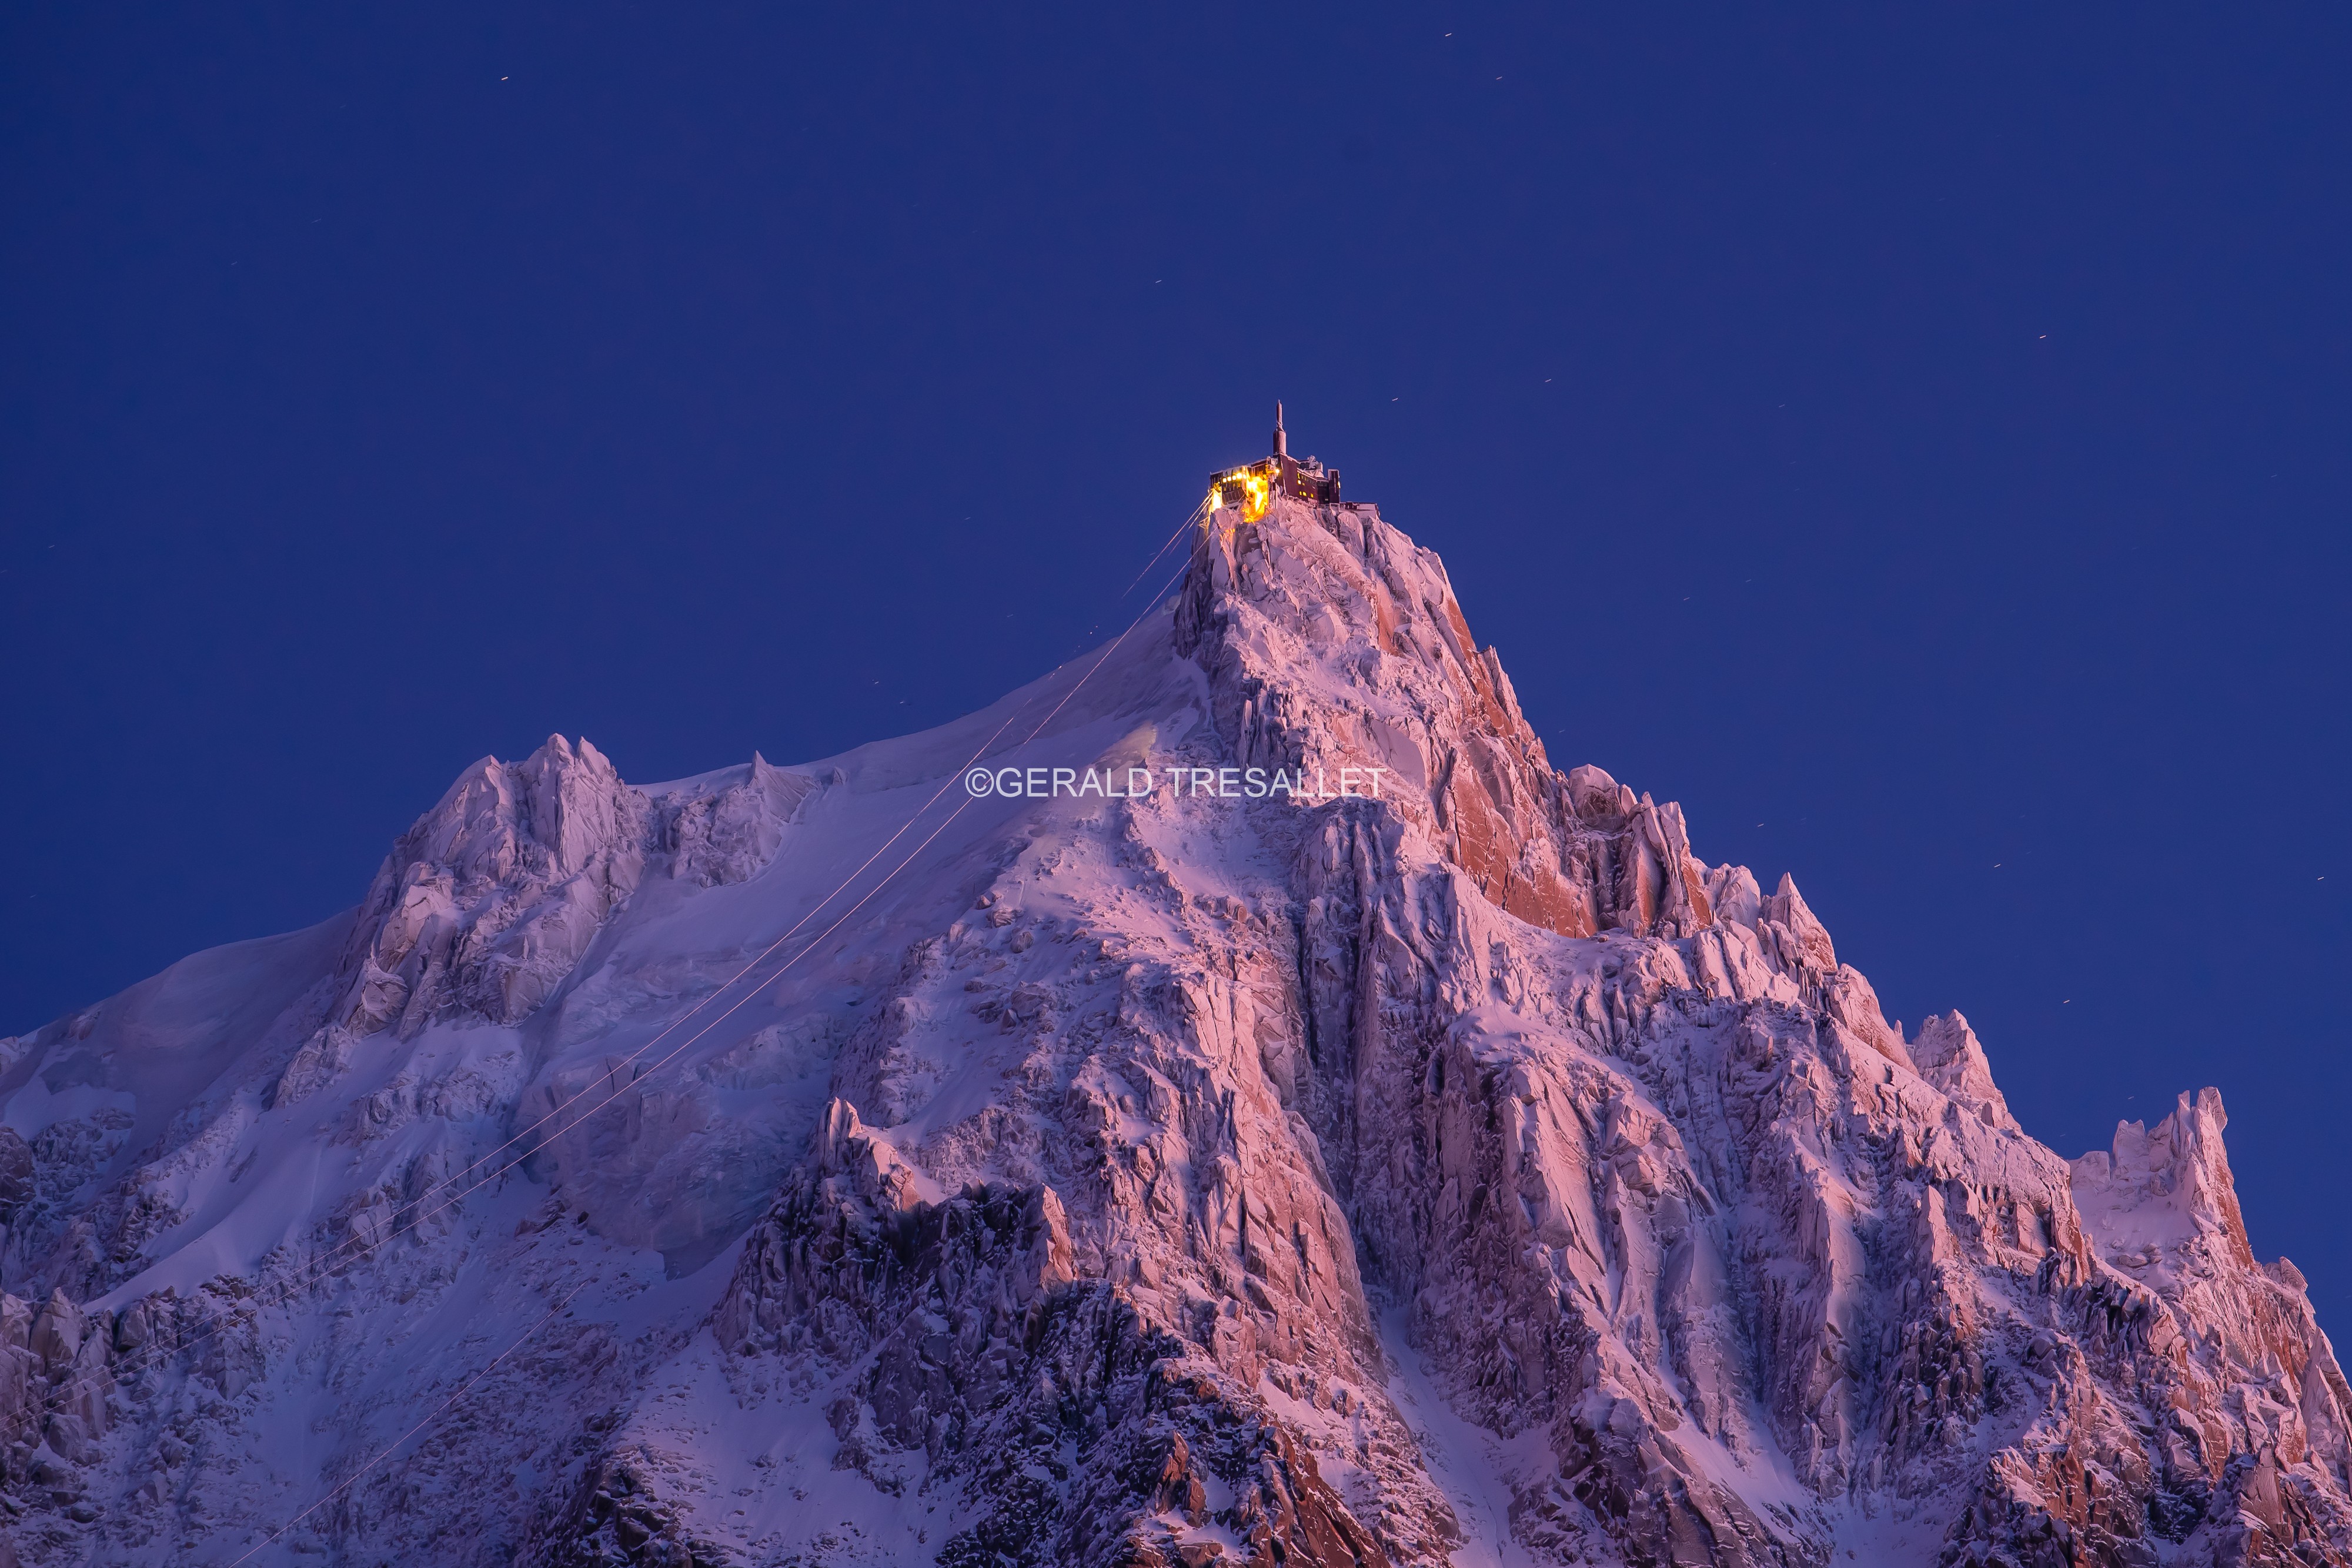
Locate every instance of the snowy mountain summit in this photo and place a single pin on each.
(884, 1160)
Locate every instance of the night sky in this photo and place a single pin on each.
(1914, 438)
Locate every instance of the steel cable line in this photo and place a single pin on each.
(420, 1216)
(385, 1452)
(877, 887)
(765, 953)
(320, 1267)
(1196, 517)
(326, 1263)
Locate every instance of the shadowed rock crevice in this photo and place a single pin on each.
(1428, 1158)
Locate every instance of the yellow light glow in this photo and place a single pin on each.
(1257, 494)
(1253, 491)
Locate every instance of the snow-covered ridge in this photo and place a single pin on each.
(1475, 1174)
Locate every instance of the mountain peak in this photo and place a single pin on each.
(882, 1160)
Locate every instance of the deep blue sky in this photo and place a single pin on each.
(1914, 438)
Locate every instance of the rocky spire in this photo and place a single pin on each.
(1436, 1153)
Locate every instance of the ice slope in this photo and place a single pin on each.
(834, 1166)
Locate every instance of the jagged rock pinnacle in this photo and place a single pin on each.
(1458, 1169)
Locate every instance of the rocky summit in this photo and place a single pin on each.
(1364, 1144)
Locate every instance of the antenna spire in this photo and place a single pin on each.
(1281, 442)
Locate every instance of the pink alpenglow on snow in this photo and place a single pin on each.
(845, 1163)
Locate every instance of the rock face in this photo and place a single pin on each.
(492, 897)
(1374, 1146)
